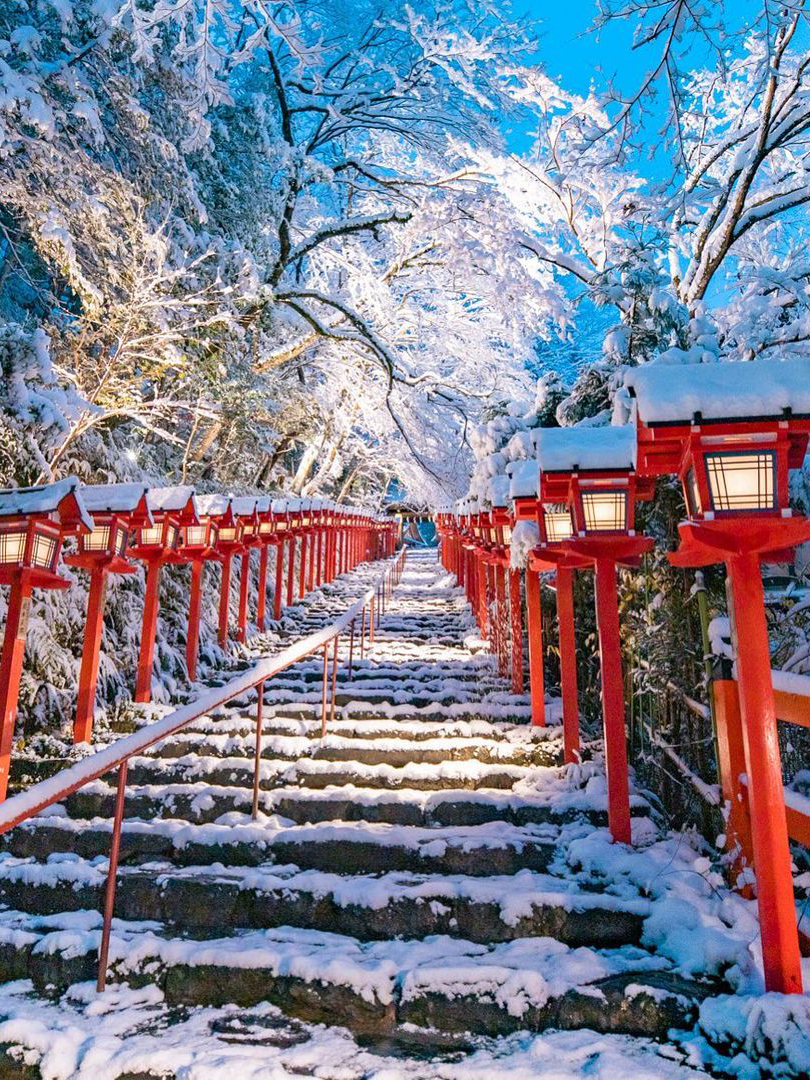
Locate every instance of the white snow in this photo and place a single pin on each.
(672, 392)
(112, 497)
(43, 499)
(569, 449)
(525, 478)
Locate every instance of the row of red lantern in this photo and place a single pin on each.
(111, 525)
(731, 433)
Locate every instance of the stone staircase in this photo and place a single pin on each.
(410, 872)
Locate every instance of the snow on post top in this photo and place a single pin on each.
(667, 393)
(45, 499)
(584, 448)
(524, 478)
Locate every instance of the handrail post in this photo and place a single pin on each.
(351, 649)
(323, 690)
(258, 755)
(371, 621)
(363, 632)
(334, 681)
(112, 873)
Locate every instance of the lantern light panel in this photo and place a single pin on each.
(740, 480)
(604, 511)
(557, 521)
(12, 546)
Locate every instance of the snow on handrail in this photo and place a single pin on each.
(39, 796)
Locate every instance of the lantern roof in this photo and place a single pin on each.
(757, 389)
(129, 499)
(213, 505)
(524, 478)
(64, 498)
(585, 449)
(244, 505)
(179, 499)
(498, 491)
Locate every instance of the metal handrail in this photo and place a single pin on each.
(22, 807)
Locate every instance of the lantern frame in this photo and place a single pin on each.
(56, 511)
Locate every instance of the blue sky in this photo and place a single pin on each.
(578, 58)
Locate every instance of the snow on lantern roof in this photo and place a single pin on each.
(114, 498)
(279, 506)
(524, 478)
(585, 448)
(172, 499)
(498, 490)
(263, 504)
(243, 505)
(47, 499)
(213, 505)
(668, 393)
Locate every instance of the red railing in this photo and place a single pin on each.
(38, 797)
(792, 707)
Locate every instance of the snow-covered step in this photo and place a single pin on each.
(312, 773)
(450, 984)
(396, 751)
(201, 900)
(204, 802)
(394, 727)
(341, 847)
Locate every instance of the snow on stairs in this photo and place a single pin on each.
(409, 869)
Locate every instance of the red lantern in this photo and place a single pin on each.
(116, 510)
(245, 510)
(731, 432)
(155, 544)
(33, 522)
(590, 474)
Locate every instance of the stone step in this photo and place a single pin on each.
(372, 988)
(316, 773)
(396, 752)
(201, 901)
(204, 803)
(243, 722)
(487, 850)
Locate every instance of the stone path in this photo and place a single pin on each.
(426, 873)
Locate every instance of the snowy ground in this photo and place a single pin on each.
(132, 1031)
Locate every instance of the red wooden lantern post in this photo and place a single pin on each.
(732, 432)
(304, 531)
(293, 514)
(32, 524)
(523, 481)
(588, 490)
(116, 508)
(245, 511)
(503, 520)
(155, 545)
(198, 545)
(319, 522)
(229, 544)
(264, 535)
(278, 514)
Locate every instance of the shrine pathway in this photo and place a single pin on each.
(425, 890)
